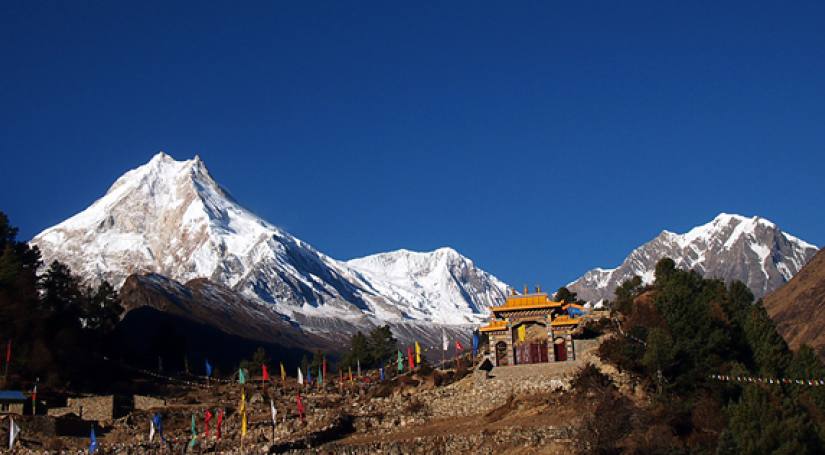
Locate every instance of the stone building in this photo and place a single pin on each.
(11, 402)
(532, 328)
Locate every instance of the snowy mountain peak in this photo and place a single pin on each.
(751, 249)
(172, 218)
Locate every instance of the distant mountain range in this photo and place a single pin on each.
(171, 220)
(180, 244)
(730, 247)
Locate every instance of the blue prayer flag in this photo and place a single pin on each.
(381, 371)
(475, 344)
(208, 369)
(93, 443)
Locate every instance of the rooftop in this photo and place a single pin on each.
(539, 300)
(12, 395)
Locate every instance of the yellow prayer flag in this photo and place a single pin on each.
(242, 407)
(283, 372)
(417, 352)
(522, 333)
(243, 425)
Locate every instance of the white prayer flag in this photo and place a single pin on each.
(300, 376)
(274, 412)
(14, 430)
(444, 343)
(151, 430)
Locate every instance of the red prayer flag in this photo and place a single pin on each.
(218, 424)
(207, 417)
(300, 407)
(410, 358)
(458, 345)
(266, 373)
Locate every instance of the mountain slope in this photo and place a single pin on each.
(171, 218)
(797, 307)
(730, 247)
(414, 280)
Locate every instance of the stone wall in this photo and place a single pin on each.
(145, 403)
(94, 408)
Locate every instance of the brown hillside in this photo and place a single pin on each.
(798, 308)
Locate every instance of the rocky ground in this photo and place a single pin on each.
(523, 409)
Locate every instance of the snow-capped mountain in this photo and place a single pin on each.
(730, 247)
(171, 218)
(414, 280)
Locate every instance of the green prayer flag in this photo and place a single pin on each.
(194, 433)
(400, 362)
(241, 376)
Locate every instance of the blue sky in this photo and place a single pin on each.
(541, 139)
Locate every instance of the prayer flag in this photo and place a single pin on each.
(242, 406)
(243, 425)
(158, 425)
(274, 412)
(300, 405)
(381, 372)
(410, 359)
(417, 353)
(283, 373)
(458, 346)
(92, 441)
(309, 375)
(208, 368)
(14, 430)
(194, 439)
(300, 376)
(522, 333)
(444, 342)
(151, 430)
(241, 376)
(320, 376)
(475, 344)
(207, 417)
(265, 373)
(400, 361)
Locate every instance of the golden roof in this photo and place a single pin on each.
(494, 326)
(564, 320)
(535, 301)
